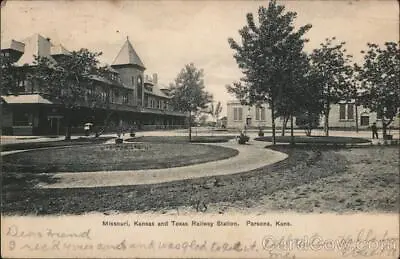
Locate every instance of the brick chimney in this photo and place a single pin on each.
(155, 78)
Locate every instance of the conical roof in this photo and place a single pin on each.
(128, 56)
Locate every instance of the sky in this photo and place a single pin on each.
(169, 34)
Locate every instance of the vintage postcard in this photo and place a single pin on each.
(200, 129)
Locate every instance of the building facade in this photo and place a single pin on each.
(343, 115)
(131, 98)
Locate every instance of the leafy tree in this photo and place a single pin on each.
(69, 81)
(9, 75)
(353, 91)
(188, 93)
(380, 81)
(310, 99)
(333, 65)
(216, 110)
(266, 50)
(292, 93)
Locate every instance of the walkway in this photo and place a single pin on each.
(251, 156)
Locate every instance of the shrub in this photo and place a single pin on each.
(243, 139)
(308, 122)
(260, 133)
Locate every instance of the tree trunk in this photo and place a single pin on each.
(68, 124)
(105, 122)
(327, 109)
(284, 123)
(384, 127)
(356, 117)
(190, 126)
(291, 130)
(326, 123)
(273, 122)
(309, 125)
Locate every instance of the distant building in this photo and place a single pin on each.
(134, 98)
(342, 116)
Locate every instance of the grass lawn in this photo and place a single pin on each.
(182, 139)
(59, 143)
(316, 179)
(315, 140)
(113, 157)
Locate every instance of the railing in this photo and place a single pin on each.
(162, 127)
(114, 129)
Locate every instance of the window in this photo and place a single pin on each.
(364, 120)
(90, 90)
(260, 114)
(139, 90)
(116, 95)
(115, 77)
(346, 111)
(350, 111)
(237, 113)
(103, 95)
(22, 118)
(263, 113)
(342, 111)
(379, 115)
(133, 81)
(111, 95)
(148, 88)
(125, 99)
(21, 83)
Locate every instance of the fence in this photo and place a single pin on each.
(162, 127)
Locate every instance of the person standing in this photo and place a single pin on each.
(87, 129)
(374, 131)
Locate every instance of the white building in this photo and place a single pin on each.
(342, 116)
